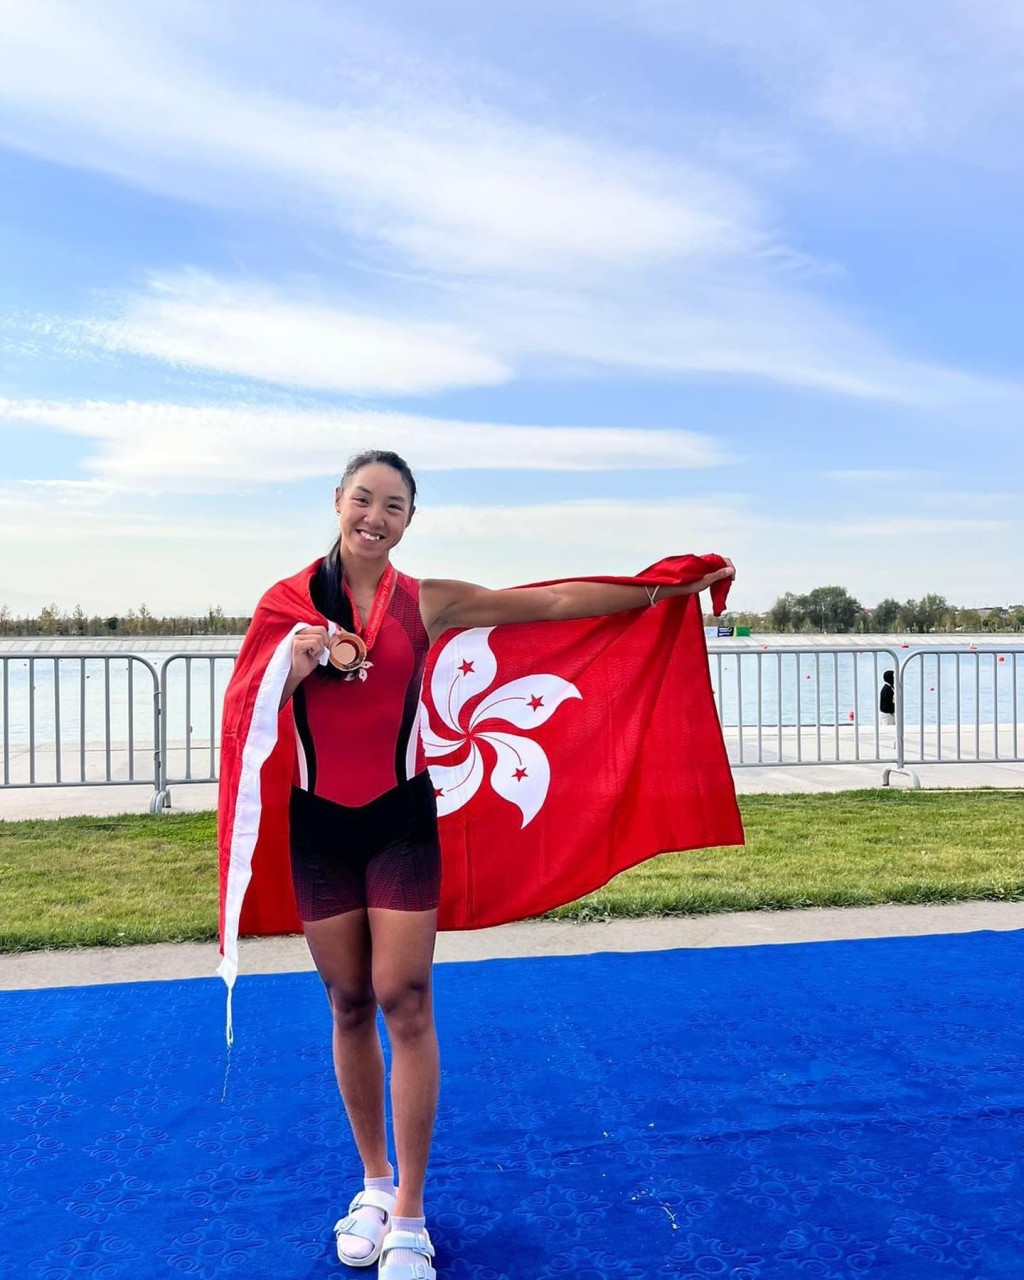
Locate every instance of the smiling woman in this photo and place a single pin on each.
(344, 649)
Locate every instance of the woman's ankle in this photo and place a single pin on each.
(409, 1206)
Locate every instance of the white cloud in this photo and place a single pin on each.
(902, 526)
(627, 531)
(114, 557)
(259, 333)
(527, 247)
(727, 325)
(719, 326)
(116, 554)
(451, 188)
(935, 75)
(172, 447)
(63, 513)
(111, 559)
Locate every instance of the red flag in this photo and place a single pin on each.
(256, 766)
(563, 753)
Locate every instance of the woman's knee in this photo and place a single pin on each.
(351, 1008)
(407, 1008)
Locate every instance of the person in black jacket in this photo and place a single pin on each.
(887, 698)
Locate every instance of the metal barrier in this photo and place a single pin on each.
(81, 719)
(782, 707)
(184, 704)
(788, 706)
(963, 706)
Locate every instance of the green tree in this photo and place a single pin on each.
(968, 620)
(49, 620)
(930, 613)
(780, 615)
(995, 619)
(885, 615)
(832, 609)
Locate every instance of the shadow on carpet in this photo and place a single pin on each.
(825, 1110)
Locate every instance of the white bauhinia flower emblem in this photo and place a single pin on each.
(465, 668)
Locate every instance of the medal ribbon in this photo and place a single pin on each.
(381, 600)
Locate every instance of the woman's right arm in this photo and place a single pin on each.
(307, 646)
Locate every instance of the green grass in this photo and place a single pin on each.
(853, 848)
(88, 881)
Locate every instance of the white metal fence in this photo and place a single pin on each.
(191, 695)
(79, 719)
(785, 707)
(962, 706)
(82, 719)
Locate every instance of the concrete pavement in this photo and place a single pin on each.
(86, 966)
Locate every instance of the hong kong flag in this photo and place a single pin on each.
(563, 753)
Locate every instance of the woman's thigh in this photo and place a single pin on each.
(341, 947)
(402, 955)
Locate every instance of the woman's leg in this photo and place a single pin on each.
(403, 953)
(340, 946)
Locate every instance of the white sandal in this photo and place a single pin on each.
(372, 1232)
(418, 1242)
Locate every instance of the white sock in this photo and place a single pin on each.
(406, 1255)
(356, 1246)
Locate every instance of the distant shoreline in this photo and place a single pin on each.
(227, 645)
(858, 640)
(119, 644)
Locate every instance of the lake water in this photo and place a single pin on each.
(814, 687)
(110, 698)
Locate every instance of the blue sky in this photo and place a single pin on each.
(620, 280)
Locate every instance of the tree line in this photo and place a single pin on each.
(53, 621)
(833, 611)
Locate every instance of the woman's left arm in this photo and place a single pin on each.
(447, 604)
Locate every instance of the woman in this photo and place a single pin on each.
(364, 846)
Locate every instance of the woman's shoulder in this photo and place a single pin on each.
(291, 590)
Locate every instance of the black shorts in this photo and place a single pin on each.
(383, 854)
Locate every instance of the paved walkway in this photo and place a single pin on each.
(91, 965)
(85, 966)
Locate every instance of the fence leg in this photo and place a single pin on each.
(915, 781)
(159, 801)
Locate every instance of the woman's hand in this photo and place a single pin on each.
(728, 572)
(307, 646)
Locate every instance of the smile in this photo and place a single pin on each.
(370, 537)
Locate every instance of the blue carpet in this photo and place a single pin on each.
(830, 1110)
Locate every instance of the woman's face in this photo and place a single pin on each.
(374, 510)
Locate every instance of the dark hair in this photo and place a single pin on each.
(888, 676)
(326, 590)
(386, 459)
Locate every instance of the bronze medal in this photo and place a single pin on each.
(346, 651)
(365, 635)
